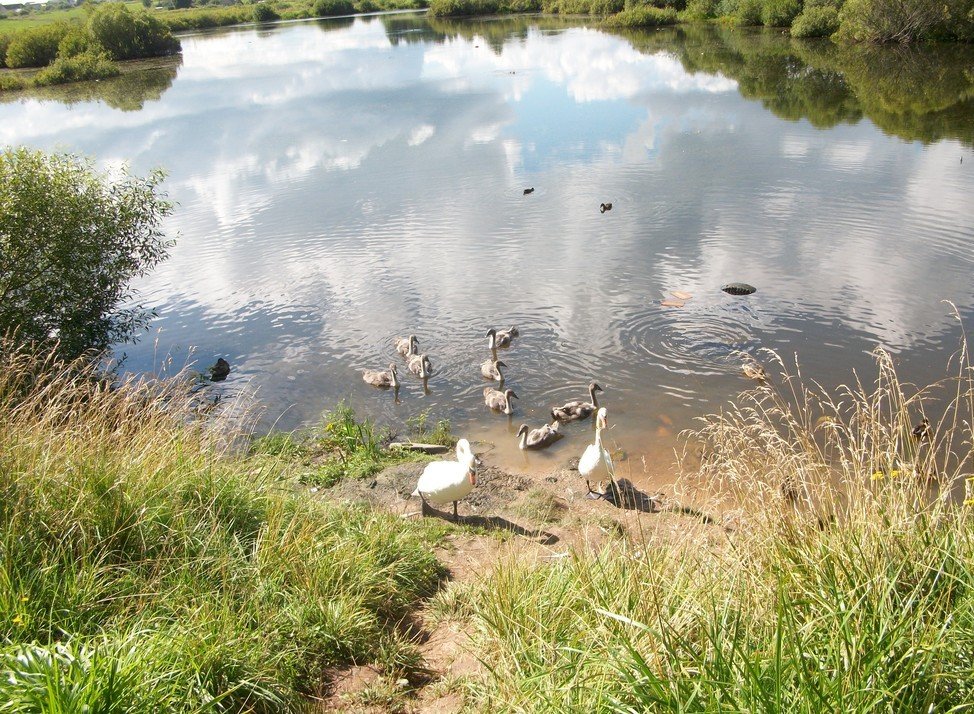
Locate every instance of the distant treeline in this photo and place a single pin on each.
(916, 92)
(846, 20)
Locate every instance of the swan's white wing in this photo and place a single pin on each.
(589, 461)
(443, 482)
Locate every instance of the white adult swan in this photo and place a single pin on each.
(445, 481)
(595, 454)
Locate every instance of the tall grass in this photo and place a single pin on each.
(143, 568)
(842, 582)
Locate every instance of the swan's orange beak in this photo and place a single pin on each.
(473, 479)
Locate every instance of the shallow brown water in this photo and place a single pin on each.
(342, 183)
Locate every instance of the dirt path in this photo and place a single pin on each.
(537, 518)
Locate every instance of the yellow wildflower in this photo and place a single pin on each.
(878, 476)
(24, 598)
(18, 620)
(894, 473)
(969, 502)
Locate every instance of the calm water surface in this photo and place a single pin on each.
(342, 183)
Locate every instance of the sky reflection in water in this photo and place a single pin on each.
(340, 184)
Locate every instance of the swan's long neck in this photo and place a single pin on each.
(595, 402)
(412, 345)
(507, 404)
(500, 375)
(524, 440)
(395, 380)
(492, 343)
(598, 437)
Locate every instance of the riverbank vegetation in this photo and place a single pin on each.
(841, 578)
(143, 567)
(71, 52)
(146, 565)
(873, 21)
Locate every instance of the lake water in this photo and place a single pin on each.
(341, 183)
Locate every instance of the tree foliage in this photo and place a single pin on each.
(71, 241)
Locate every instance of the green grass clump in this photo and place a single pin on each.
(346, 447)
(144, 569)
(542, 506)
(643, 16)
(845, 584)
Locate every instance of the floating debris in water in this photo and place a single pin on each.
(680, 295)
(528, 190)
(739, 289)
(672, 303)
(603, 207)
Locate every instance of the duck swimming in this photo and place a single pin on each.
(572, 411)
(498, 400)
(381, 378)
(445, 481)
(540, 438)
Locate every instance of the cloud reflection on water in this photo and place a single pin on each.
(338, 187)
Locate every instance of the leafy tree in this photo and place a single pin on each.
(71, 241)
